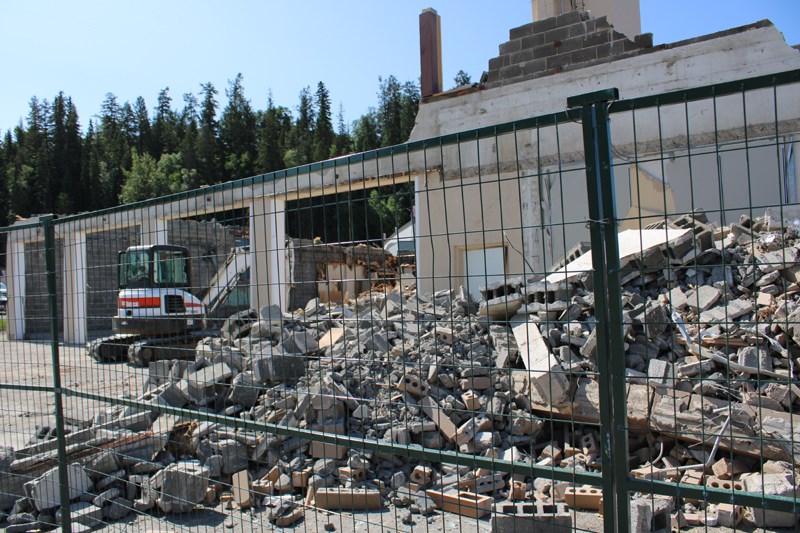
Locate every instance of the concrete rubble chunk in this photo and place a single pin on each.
(181, 486)
(204, 385)
(271, 364)
(45, 490)
(548, 380)
(244, 390)
(772, 485)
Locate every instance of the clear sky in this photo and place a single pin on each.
(87, 48)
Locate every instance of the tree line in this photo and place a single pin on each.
(49, 164)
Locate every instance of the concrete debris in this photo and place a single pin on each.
(711, 343)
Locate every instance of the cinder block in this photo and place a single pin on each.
(343, 498)
(724, 484)
(722, 469)
(650, 514)
(516, 517)
(462, 502)
(444, 335)
(728, 515)
(472, 427)
(471, 400)
(413, 385)
(517, 491)
(585, 497)
(476, 383)
(422, 475)
(300, 479)
(240, 484)
(347, 473)
(46, 490)
(323, 450)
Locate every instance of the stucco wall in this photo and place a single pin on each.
(553, 213)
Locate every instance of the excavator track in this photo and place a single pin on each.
(143, 351)
(112, 348)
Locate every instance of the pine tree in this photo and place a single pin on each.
(238, 132)
(143, 130)
(189, 134)
(275, 125)
(67, 185)
(208, 148)
(302, 140)
(114, 151)
(366, 134)
(390, 111)
(461, 79)
(409, 108)
(90, 172)
(323, 129)
(165, 125)
(343, 140)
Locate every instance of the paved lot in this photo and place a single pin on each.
(30, 363)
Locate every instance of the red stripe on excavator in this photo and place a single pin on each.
(140, 303)
(192, 304)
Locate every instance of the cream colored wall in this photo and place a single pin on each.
(465, 214)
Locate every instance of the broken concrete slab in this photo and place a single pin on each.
(547, 377)
(45, 490)
(204, 385)
(181, 486)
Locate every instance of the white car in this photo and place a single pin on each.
(3, 297)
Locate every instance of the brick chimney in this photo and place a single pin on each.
(430, 52)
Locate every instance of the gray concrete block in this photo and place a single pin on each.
(244, 390)
(234, 455)
(45, 490)
(181, 486)
(650, 514)
(754, 357)
(272, 364)
(772, 485)
(205, 384)
(511, 517)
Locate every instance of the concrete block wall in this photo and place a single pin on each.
(209, 244)
(309, 261)
(553, 45)
(102, 284)
(37, 304)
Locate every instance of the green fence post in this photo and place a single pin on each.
(608, 305)
(52, 306)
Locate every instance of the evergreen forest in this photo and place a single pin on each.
(53, 162)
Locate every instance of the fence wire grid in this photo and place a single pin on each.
(583, 321)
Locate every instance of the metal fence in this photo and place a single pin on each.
(583, 321)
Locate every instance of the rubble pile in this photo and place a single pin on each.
(712, 337)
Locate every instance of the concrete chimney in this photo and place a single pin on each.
(430, 52)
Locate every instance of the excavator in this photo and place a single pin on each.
(157, 315)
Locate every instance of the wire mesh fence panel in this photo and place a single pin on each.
(530, 325)
(709, 303)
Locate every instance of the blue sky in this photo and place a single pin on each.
(87, 48)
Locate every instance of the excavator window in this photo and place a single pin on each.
(171, 268)
(134, 268)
